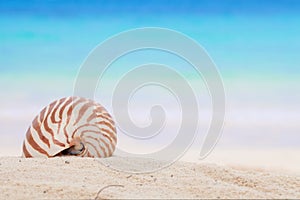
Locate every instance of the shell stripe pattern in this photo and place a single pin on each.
(71, 126)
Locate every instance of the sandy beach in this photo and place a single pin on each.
(88, 178)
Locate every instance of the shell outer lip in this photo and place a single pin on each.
(68, 151)
(78, 152)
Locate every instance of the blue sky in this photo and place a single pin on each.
(242, 36)
(77, 7)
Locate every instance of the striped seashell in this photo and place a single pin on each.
(71, 126)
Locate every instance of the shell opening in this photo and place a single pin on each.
(75, 150)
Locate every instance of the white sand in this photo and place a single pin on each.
(282, 160)
(82, 178)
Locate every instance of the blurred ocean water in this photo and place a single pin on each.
(254, 44)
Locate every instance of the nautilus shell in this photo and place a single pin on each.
(71, 126)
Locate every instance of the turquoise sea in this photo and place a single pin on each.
(254, 44)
